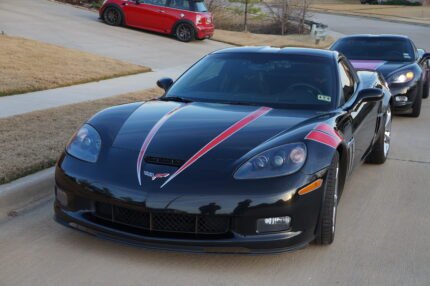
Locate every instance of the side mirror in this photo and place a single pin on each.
(425, 57)
(165, 83)
(366, 95)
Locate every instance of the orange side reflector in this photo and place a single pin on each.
(311, 187)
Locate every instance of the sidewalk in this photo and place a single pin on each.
(23, 103)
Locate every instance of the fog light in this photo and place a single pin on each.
(401, 98)
(62, 197)
(273, 224)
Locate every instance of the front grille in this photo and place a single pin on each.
(163, 221)
(164, 161)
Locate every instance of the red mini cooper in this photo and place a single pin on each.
(186, 19)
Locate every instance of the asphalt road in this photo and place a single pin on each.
(345, 25)
(383, 225)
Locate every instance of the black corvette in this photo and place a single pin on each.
(248, 151)
(406, 68)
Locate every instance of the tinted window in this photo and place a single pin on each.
(346, 81)
(154, 2)
(200, 6)
(260, 79)
(366, 48)
(180, 4)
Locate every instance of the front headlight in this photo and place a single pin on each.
(85, 144)
(402, 77)
(279, 161)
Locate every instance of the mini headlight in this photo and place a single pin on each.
(279, 161)
(85, 144)
(402, 77)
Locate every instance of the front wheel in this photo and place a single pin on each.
(381, 148)
(416, 106)
(327, 224)
(184, 32)
(112, 16)
(426, 90)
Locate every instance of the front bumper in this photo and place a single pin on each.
(411, 91)
(79, 212)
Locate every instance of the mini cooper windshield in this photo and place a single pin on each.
(276, 80)
(385, 49)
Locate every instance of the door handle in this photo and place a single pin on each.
(161, 11)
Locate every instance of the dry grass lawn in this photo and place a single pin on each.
(416, 14)
(28, 65)
(250, 39)
(34, 141)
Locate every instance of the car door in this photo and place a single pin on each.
(359, 124)
(145, 14)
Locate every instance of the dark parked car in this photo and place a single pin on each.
(248, 151)
(405, 67)
(185, 19)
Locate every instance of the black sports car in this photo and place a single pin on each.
(406, 68)
(248, 151)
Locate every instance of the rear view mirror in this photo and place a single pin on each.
(165, 83)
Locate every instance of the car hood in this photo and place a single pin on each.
(386, 68)
(175, 132)
(189, 127)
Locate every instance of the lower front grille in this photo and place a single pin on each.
(163, 221)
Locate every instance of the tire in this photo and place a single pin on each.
(416, 106)
(363, 1)
(326, 227)
(112, 16)
(381, 148)
(185, 32)
(426, 90)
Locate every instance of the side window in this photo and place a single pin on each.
(346, 81)
(155, 2)
(180, 4)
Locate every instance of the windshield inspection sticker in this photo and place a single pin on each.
(324, 97)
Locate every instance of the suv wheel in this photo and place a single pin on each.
(112, 16)
(184, 32)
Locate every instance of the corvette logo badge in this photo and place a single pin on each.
(155, 176)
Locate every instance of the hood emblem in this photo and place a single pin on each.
(155, 176)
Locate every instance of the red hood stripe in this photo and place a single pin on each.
(149, 138)
(219, 139)
(324, 127)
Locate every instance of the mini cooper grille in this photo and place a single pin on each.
(164, 161)
(164, 222)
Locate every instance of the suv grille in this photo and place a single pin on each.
(163, 222)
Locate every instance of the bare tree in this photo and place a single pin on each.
(283, 12)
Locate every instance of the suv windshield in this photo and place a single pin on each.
(278, 80)
(366, 48)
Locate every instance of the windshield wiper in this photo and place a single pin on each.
(175, 98)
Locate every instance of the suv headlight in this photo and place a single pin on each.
(402, 77)
(279, 161)
(85, 144)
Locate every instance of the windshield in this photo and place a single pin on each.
(284, 81)
(386, 49)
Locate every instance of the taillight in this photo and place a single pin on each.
(201, 20)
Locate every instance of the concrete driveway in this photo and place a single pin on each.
(383, 225)
(382, 238)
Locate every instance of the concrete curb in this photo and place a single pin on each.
(25, 191)
(372, 17)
